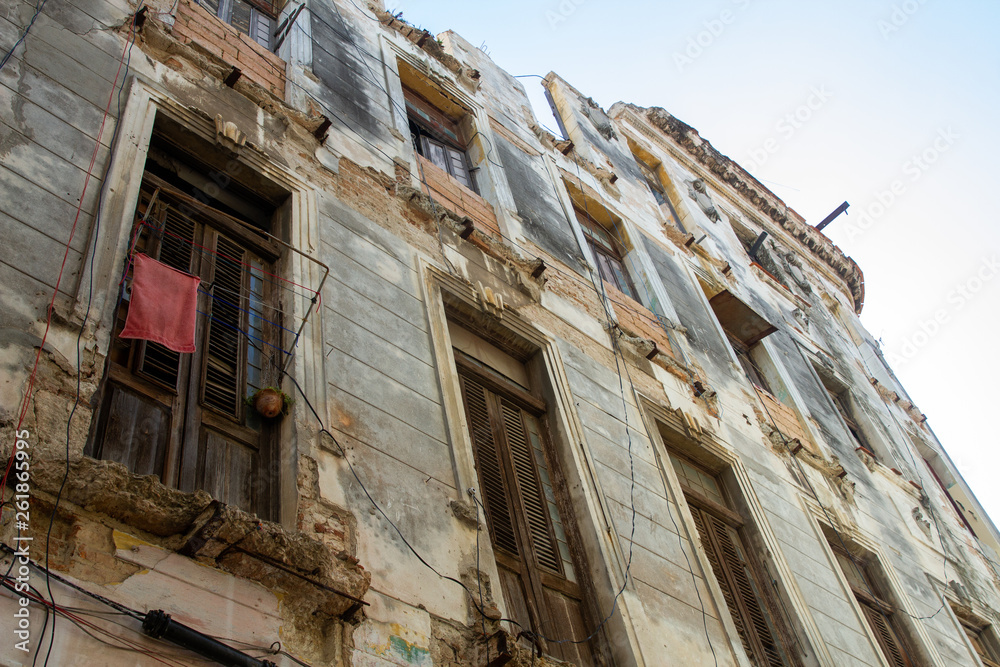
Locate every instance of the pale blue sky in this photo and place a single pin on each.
(889, 81)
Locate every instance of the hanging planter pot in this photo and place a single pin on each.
(270, 402)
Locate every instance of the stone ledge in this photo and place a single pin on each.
(215, 534)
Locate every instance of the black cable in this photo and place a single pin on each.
(616, 347)
(8, 583)
(916, 469)
(90, 298)
(479, 576)
(829, 519)
(375, 503)
(38, 10)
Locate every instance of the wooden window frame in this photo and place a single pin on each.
(196, 429)
(431, 130)
(514, 536)
(878, 612)
(608, 255)
(659, 191)
(983, 647)
(261, 17)
(842, 402)
(979, 632)
(749, 366)
(753, 609)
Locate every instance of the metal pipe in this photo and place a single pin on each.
(828, 219)
(159, 625)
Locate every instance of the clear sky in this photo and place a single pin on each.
(887, 104)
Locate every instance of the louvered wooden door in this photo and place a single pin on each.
(536, 568)
(727, 554)
(182, 416)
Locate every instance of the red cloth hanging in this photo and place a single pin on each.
(164, 305)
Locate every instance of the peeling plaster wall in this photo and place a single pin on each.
(375, 362)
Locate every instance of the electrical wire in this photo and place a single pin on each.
(126, 53)
(604, 301)
(829, 519)
(916, 470)
(38, 10)
(479, 578)
(121, 610)
(530, 254)
(85, 626)
(376, 505)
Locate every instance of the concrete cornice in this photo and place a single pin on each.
(757, 195)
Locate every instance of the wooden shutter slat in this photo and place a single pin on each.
(495, 497)
(757, 620)
(458, 169)
(885, 636)
(700, 521)
(176, 251)
(223, 369)
(535, 507)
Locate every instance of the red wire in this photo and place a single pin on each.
(227, 257)
(129, 644)
(26, 401)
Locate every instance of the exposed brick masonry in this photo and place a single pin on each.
(194, 24)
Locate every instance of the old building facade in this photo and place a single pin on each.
(597, 399)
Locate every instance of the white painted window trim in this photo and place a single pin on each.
(565, 426)
(871, 545)
(653, 412)
(490, 178)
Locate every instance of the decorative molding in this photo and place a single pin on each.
(752, 191)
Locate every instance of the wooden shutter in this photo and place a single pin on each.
(457, 167)
(877, 612)
(182, 416)
(435, 152)
(725, 552)
(720, 574)
(536, 511)
(261, 28)
(136, 430)
(979, 643)
(496, 498)
(175, 249)
(226, 354)
(886, 635)
(529, 536)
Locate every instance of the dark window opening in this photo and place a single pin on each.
(439, 139)
(255, 19)
(183, 417)
(750, 367)
(841, 397)
(659, 193)
(745, 329)
(951, 499)
(980, 634)
(879, 613)
(607, 254)
(530, 522)
(741, 578)
(842, 402)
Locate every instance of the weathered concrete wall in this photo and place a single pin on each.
(376, 362)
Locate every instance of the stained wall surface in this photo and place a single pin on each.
(381, 550)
